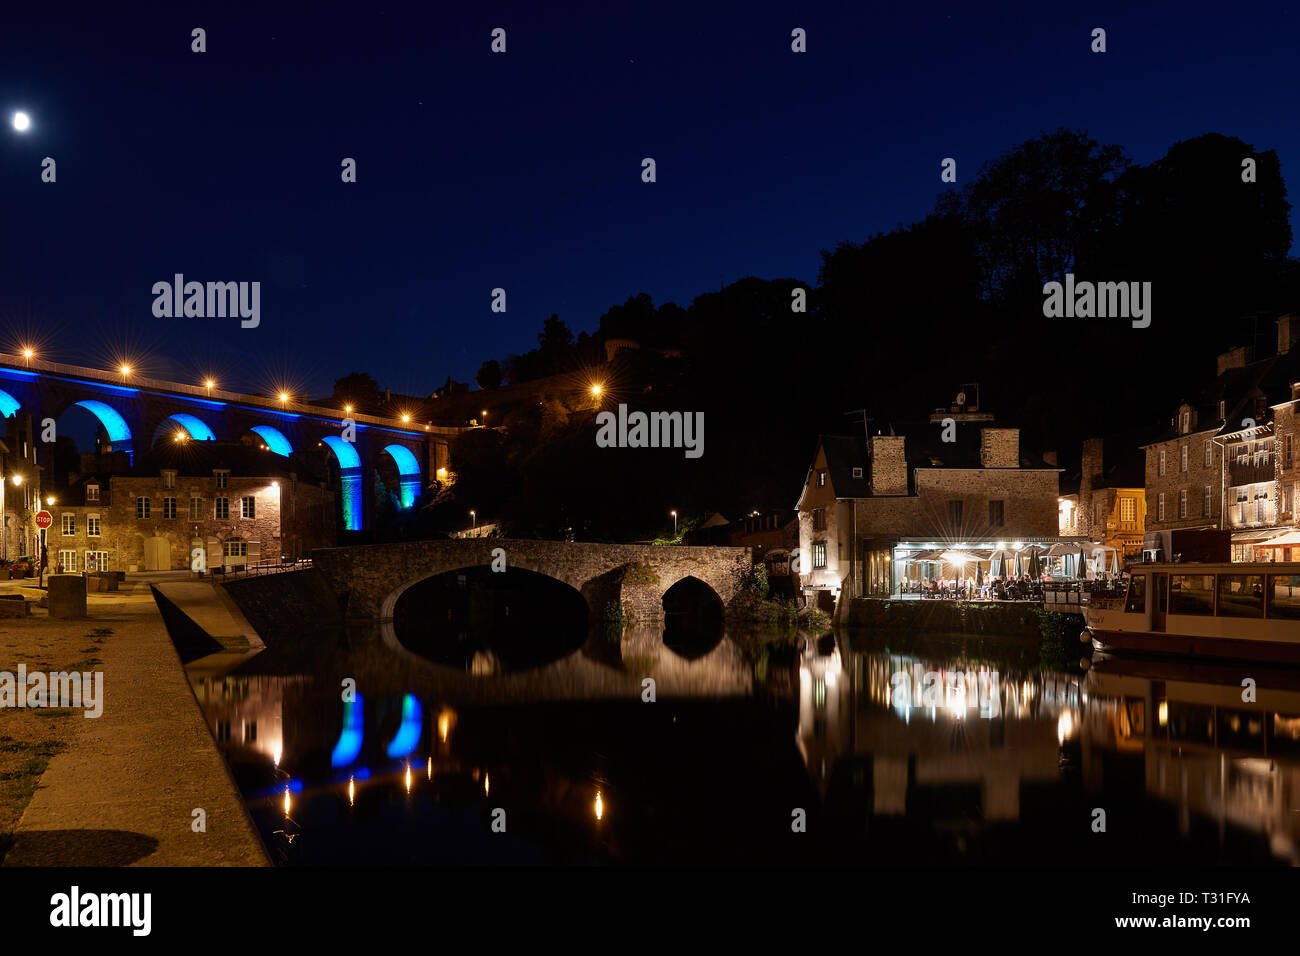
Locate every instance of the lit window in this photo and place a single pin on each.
(169, 479)
(92, 526)
(142, 506)
(235, 548)
(196, 509)
(248, 507)
(92, 492)
(819, 554)
(169, 507)
(1209, 454)
(69, 524)
(223, 509)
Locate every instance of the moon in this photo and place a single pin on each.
(22, 122)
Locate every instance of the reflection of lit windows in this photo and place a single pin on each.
(250, 731)
(223, 730)
(819, 693)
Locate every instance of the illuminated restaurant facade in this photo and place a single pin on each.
(909, 501)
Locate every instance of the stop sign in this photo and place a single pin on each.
(44, 519)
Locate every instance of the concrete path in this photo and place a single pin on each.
(125, 791)
(211, 608)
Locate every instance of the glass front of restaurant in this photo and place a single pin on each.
(903, 568)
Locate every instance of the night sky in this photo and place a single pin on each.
(522, 170)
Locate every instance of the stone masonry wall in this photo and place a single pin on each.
(372, 577)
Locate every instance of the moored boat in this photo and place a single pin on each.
(1237, 611)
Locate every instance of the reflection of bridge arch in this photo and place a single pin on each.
(8, 404)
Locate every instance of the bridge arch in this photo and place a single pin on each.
(119, 432)
(408, 473)
(389, 603)
(183, 422)
(274, 439)
(350, 480)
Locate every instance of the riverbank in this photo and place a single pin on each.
(120, 789)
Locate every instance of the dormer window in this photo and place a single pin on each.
(169, 479)
(1223, 409)
(1184, 421)
(92, 493)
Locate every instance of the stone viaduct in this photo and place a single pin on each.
(134, 411)
(373, 577)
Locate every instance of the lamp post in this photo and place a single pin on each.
(473, 515)
(208, 386)
(674, 514)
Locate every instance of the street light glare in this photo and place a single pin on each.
(22, 122)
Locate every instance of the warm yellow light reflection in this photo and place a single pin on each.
(276, 755)
(1164, 713)
(286, 801)
(1064, 726)
(485, 784)
(600, 806)
(444, 725)
(352, 792)
(408, 778)
(429, 768)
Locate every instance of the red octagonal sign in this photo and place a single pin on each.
(44, 519)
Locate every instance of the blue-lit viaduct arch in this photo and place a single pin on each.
(131, 416)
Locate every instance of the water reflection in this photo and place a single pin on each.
(962, 744)
(940, 753)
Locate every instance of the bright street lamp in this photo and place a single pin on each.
(27, 354)
(674, 514)
(125, 370)
(208, 385)
(474, 517)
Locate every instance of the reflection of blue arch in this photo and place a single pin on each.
(408, 467)
(119, 433)
(196, 429)
(274, 439)
(8, 404)
(349, 746)
(408, 735)
(349, 480)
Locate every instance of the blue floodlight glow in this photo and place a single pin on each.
(408, 735)
(197, 430)
(8, 404)
(349, 746)
(344, 452)
(113, 423)
(274, 439)
(408, 466)
(406, 461)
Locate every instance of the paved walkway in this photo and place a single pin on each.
(125, 791)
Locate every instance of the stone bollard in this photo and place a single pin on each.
(67, 595)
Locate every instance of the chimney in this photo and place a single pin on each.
(1288, 330)
(1092, 467)
(888, 465)
(1000, 447)
(1234, 358)
(1050, 458)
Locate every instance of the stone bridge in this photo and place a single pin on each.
(636, 576)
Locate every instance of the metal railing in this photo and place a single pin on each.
(261, 567)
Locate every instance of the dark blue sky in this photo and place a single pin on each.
(523, 170)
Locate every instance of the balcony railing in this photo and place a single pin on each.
(1248, 473)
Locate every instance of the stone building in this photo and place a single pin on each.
(893, 504)
(1221, 463)
(21, 495)
(239, 503)
(1105, 502)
